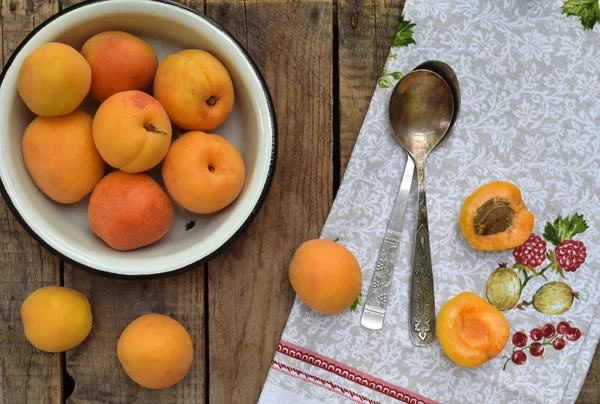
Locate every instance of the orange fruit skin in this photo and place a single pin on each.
(155, 351)
(471, 330)
(326, 276)
(195, 89)
(123, 132)
(61, 158)
(203, 173)
(56, 319)
(54, 79)
(119, 62)
(522, 222)
(129, 211)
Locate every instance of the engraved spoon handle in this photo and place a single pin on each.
(374, 308)
(422, 299)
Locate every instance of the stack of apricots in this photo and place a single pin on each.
(70, 154)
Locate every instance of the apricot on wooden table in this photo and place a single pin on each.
(119, 62)
(132, 131)
(195, 89)
(54, 79)
(60, 155)
(471, 330)
(326, 276)
(129, 211)
(155, 351)
(56, 319)
(494, 217)
(203, 173)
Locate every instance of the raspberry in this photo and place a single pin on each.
(570, 254)
(531, 253)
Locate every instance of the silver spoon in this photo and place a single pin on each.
(421, 118)
(375, 304)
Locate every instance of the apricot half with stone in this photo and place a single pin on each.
(471, 330)
(495, 217)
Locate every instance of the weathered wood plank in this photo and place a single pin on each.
(249, 294)
(26, 374)
(590, 391)
(94, 366)
(365, 32)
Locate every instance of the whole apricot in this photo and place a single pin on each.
(119, 62)
(129, 211)
(471, 330)
(132, 131)
(155, 351)
(56, 319)
(203, 173)
(54, 79)
(195, 89)
(326, 276)
(60, 155)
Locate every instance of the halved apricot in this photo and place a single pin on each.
(471, 330)
(495, 217)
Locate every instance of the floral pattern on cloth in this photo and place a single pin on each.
(530, 82)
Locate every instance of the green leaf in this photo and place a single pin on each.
(385, 73)
(551, 234)
(570, 226)
(390, 57)
(588, 11)
(577, 225)
(564, 228)
(385, 82)
(356, 302)
(397, 75)
(404, 33)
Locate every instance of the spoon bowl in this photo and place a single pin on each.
(449, 75)
(421, 110)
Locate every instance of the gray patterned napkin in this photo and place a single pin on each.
(530, 80)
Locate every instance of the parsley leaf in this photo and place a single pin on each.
(356, 302)
(588, 11)
(404, 33)
(385, 82)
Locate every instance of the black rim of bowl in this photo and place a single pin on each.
(254, 211)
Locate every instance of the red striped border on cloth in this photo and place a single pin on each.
(350, 373)
(319, 381)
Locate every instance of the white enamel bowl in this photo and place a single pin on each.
(251, 128)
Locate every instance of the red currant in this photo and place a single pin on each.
(563, 327)
(536, 334)
(548, 330)
(518, 357)
(559, 343)
(536, 349)
(574, 334)
(519, 339)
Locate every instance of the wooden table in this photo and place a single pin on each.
(321, 60)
